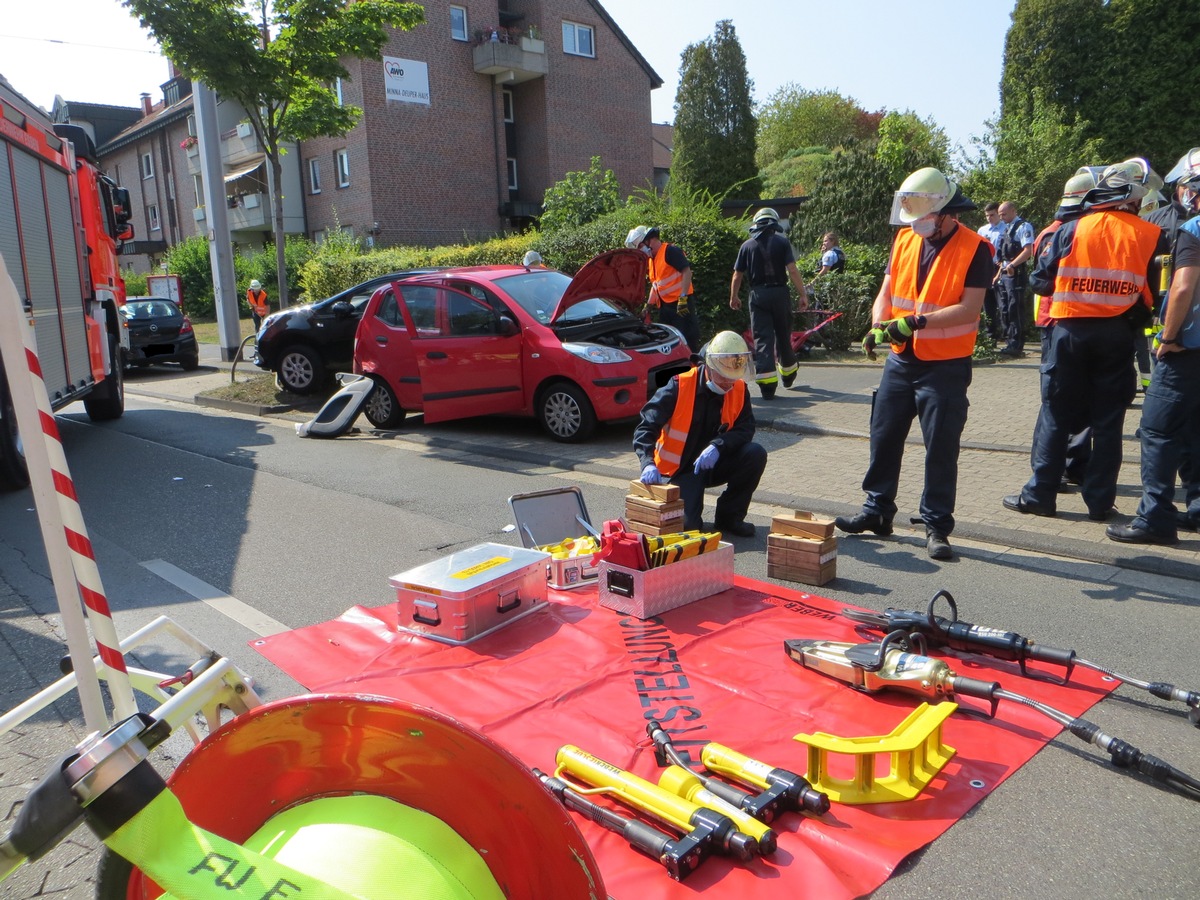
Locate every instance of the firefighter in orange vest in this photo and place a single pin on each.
(670, 282)
(928, 309)
(257, 298)
(1096, 269)
(697, 431)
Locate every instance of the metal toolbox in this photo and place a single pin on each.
(654, 591)
(548, 517)
(473, 592)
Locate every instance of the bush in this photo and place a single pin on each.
(581, 197)
(135, 284)
(853, 295)
(189, 260)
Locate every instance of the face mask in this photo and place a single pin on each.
(646, 250)
(925, 227)
(1189, 198)
(714, 387)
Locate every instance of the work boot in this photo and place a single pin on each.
(789, 380)
(768, 391)
(1134, 534)
(737, 529)
(1017, 503)
(937, 545)
(1185, 521)
(864, 521)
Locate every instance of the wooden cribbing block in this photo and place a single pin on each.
(807, 560)
(658, 513)
(802, 524)
(816, 577)
(653, 530)
(667, 492)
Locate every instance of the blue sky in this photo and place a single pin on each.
(939, 58)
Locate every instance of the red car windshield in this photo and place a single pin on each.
(538, 294)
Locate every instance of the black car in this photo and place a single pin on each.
(304, 345)
(159, 332)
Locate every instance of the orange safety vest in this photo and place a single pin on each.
(1105, 270)
(1042, 317)
(665, 277)
(258, 302)
(944, 286)
(669, 449)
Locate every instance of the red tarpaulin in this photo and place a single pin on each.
(715, 670)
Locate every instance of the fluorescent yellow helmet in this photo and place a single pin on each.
(923, 192)
(727, 354)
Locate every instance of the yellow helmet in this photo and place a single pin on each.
(728, 354)
(923, 192)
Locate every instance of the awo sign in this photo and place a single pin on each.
(405, 80)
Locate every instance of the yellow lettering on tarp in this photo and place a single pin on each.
(482, 567)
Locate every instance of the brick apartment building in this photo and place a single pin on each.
(466, 122)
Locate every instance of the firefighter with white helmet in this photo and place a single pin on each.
(256, 297)
(1170, 425)
(670, 281)
(697, 431)
(1096, 270)
(928, 310)
(769, 262)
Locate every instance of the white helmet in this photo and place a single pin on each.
(1122, 182)
(532, 258)
(1187, 170)
(638, 234)
(923, 192)
(1078, 185)
(256, 285)
(727, 354)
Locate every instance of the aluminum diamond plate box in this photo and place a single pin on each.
(473, 592)
(646, 594)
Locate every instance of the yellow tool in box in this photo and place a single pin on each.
(571, 547)
(669, 548)
(687, 784)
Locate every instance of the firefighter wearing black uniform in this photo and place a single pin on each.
(768, 260)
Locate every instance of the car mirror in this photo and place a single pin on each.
(342, 309)
(508, 327)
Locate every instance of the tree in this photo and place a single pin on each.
(714, 118)
(1123, 70)
(280, 66)
(580, 197)
(905, 136)
(793, 117)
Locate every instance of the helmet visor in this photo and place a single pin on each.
(734, 366)
(908, 206)
(1187, 170)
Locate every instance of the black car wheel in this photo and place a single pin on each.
(108, 400)
(566, 413)
(190, 363)
(301, 370)
(382, 409)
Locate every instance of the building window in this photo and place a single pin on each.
(578, 39)
(198, 183)
(342, 161)
(512, 174)
(314, 176)
(152, 215)
(147, 166)
(508, 105)
(458, 23)
(337, 90)
(191, 126)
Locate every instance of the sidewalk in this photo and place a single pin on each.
(817, 436)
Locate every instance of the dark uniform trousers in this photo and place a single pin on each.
(1011, 298)
(1087, 379)
(936, 394)
(668, 314)
(740, 471)
(771, 325)
(1170, 433)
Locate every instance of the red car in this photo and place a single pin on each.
(510, 339)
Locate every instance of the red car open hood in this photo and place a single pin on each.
(618, 275)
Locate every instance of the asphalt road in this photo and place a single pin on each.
(301, 530)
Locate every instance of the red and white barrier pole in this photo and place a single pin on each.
(68, 548)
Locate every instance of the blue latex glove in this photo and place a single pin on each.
(651, 475)
(707, 459)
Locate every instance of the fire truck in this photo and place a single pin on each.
(62, 222)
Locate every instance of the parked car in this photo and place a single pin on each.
(159, 332)
(304, 345)
(508, 339)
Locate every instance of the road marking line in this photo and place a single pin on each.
(258, 622)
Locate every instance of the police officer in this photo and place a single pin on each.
(928, 308)
(670, 282)
(1013, 251)
(1170, 427)
(698, 431)
(1096, 267)
(769, 261)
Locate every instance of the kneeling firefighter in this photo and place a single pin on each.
(697, 431)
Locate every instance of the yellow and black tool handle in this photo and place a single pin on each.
(782, 790)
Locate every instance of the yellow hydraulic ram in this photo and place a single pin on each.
(704, 829)
(687, 784)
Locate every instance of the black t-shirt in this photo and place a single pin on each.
(979, 273)
(766, 258)
(1187, 250)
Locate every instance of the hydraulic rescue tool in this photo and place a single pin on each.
(939, 631)
(705, 831)
(782, 791)
(898, 662)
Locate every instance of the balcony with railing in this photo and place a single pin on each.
(510, 55)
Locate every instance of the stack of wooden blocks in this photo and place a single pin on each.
(653, 509)
(802, 547)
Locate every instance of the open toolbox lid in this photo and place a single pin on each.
(550, 516)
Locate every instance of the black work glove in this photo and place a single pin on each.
(874, 338)
(900, 330)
